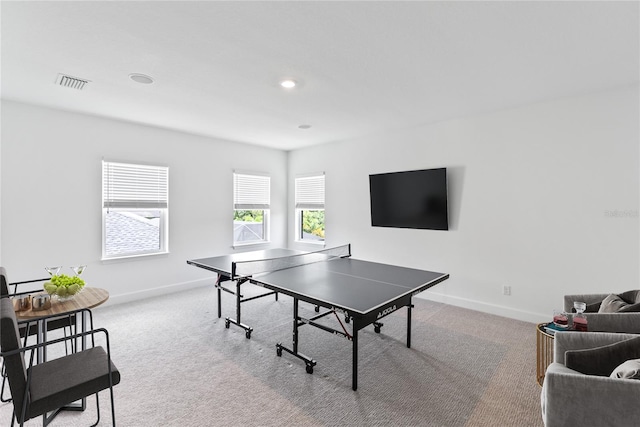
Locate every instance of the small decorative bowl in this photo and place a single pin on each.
(67, 296)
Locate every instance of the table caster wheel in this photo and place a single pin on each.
(347, 319)
(279, 351)
(248, 334)
(227, 323)
(376, 329)
(309, 369)
(317, 309)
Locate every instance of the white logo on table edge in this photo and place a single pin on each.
(386, 311)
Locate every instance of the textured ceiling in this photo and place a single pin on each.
(362, 67)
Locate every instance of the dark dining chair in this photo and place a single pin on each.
(44, 387)
(27, 329)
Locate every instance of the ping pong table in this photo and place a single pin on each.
(364, 292)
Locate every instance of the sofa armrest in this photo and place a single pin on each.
(569, 397)
(587, 298)
(628, 323)
(564, 341)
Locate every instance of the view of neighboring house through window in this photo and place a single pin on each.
(135, 201)
(251, 204)
(310, 208)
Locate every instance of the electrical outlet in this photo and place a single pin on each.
(506, 290)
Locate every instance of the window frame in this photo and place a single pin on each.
(253, 194)
(309, 196)
(119, 198)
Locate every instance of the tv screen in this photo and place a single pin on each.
(411, 199)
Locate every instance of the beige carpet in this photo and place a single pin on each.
(181, 367)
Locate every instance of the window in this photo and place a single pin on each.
(135, 200)
(310, 209)
(251, 204)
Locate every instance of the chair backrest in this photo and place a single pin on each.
(4, 282)
(14, 364)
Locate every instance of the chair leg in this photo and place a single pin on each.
(4, 381)
(4, 373)
(113, 408)
(97, 410)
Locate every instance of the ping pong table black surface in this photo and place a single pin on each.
(363, 291)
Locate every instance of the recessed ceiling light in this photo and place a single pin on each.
(304, 127)
(288, 84)
(141, 78)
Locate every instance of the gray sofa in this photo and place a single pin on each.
(571, 397)
(626, 322)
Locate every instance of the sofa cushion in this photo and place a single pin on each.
(629, 370)
(591, 308)
(631, 296)
(619, 304)
(603, 360)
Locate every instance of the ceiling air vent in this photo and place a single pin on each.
(72, 82)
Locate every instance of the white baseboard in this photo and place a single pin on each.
(525, 316)
(148, 293)
(497, 310)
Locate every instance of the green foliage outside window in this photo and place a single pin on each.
(248, 216)
(313, 223)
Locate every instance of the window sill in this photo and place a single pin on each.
(123, 258)
(311, 242)
(249, 245)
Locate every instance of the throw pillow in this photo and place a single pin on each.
(602, 360)
(632, 297)
(629, 370)
(616, 304)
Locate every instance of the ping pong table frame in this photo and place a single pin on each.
(359, 320)
(225, 277)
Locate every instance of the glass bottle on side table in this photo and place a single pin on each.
(579, 320)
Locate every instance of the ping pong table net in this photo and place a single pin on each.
(243, 269)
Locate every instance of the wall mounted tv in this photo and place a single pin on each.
(411, 199)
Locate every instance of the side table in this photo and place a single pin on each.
(544, 351)
(88, 298)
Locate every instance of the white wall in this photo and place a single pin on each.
(51, 197)
(530, 192)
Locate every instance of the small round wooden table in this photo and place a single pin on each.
(544, 351)
(87, 299)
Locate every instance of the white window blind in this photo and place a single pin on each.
(251, 192)
(310, 192)
(135, 186)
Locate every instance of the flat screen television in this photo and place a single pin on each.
(411, 199)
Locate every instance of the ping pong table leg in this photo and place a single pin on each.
(409, 324)
(218, 280)
(295, 326)
(238, 321)
(309, 362)
(354, 367)
(238, 301)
